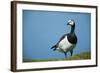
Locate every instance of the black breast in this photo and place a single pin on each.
(72, 38)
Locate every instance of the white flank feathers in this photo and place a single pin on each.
(65, 45)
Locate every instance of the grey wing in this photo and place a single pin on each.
(61, 38)
(55, 46)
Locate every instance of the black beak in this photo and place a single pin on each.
(68, 24)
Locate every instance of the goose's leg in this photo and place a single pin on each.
(71, 52)
(65, 54)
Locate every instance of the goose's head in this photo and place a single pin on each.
(71, 23)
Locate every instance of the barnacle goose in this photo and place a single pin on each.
(68, 41)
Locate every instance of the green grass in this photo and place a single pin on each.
(81, 56)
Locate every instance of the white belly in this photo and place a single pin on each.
(65, 46)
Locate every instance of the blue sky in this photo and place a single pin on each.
(43, 29)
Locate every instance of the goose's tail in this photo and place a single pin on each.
(54, 47)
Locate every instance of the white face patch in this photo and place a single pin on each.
(71, 22)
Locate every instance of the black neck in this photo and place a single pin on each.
(72, 29)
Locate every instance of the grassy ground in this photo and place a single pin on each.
(81, 56)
